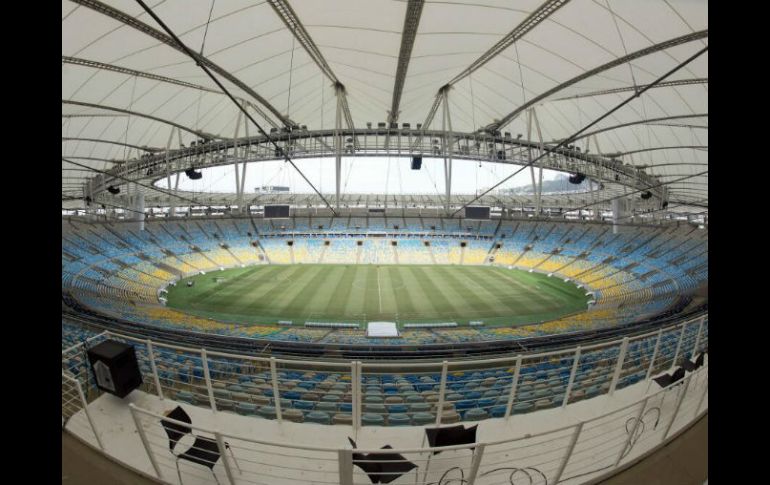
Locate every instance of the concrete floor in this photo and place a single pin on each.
(684, 461)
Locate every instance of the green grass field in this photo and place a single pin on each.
(360, 293)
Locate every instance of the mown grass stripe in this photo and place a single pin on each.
(300, 298)
(356, 304)
(219, 300)
(424, 307)
(401, 294)
(340, 286)
(465, 292)
(444, 308)
(490, 284)
(528, 287)
(215, 288)
(240, 296)
(261, 305)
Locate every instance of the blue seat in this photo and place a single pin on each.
(375, 408)
(305, 405)
(475, 414)
(185, 396)
(291, 395)
(522, 407)
(525, 396)
(346, 407)
(485, 402)
(400, 419)
(267, 412)
(246, 408)
(369, 419)
(319, 417)
(329, 407)
(465, 404)
(497, 411)
(420, 407)
(397, 408)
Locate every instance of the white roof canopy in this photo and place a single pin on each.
(125, 84)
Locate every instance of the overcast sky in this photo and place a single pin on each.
(391, 175)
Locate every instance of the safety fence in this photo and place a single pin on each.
(570, 454)
(361, 394)
(397, 393)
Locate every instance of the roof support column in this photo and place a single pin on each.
(338, 143)
(238, 194)
(138, 206)
(447, 142)
(531, 166)
(172, 206)
(168, 169)
(539, 194)
(244, 164)
(597, 210)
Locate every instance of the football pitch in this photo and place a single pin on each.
(362, 293)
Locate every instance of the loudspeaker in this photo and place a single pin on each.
(416, 162)
(115, 367)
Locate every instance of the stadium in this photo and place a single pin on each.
(384, 242)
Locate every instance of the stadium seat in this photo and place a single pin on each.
(319, 417)
(400, 419)
(369, 419)
(475, 414)
(267, 412)
(246, 408)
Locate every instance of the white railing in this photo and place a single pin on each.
(73, 401)
(581, 451)
(369, 393)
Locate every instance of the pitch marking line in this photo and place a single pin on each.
(379, 291)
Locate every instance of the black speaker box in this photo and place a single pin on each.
(416, 162)
(115, 367)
